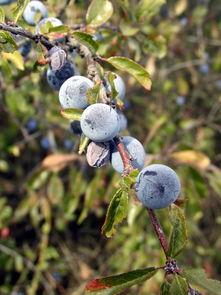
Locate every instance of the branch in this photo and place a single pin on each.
(158, 230)
(19, 31)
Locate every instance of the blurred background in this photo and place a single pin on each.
(53, 205)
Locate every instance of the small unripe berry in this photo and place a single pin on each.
(32, 9)
(157, 186)
(73, 92)
(100, 122)
(135, 150)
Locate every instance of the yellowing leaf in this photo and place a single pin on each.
(15, 58)
(180, 7)
(195, 158)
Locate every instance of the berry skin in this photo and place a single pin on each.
(73, 92)
(57, 78)
(157, 186)
(119, 86)
(6, 2)
(135, 150)
(122, 121)
(75, 127)
(32, 125)
(100, 122)
(32, 9)
(98, 154)
(25, 48)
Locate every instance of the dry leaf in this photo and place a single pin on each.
(57, 162)
(197, 159)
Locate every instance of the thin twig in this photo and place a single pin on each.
(158, 230)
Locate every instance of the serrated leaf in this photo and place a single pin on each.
(86, 40)
(148, 8)
(18, 11)
(191, 157)
(2, 15)
(198, 277)
(99, 12)
(178, 286)
(178, 236)
(7, 43)
(116, 212)
(116, 284)
(165, 288)
(16, 58)
(72, 114)
(93, 93)
(83, 144)
(137, 71)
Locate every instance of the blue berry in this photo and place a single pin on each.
(73, 92)
(32, 9)
(68, 144)
(157, 186)
(204, 69)
(135, 150)
(57, 78)
(32, 125)
(45, 143)
(25, 48)
(100, 122)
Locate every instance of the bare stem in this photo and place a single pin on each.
(158, 230)
(19, 31)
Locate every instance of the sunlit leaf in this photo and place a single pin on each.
(21, 4)
(116, 284)
(93, 93)
(86, 40)
(72, 114)
(16, 58)
(83, 144)
(99, 12)
(7, 43)
(137, 71)
(2, 15)
(56, 162)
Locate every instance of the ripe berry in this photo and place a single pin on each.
(157, 186)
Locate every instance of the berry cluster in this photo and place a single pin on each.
(157, 186)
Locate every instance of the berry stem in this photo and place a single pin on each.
(124, 156)
(158, 230)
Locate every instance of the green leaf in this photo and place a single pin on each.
(131, 67)
(127, 29)
(179, 286)
(18, 12)
(83, 144)
(99, 12)
(198, 277)
(55, 189)
(148, 8)
(116, 212)
(128, 181)
(2, 15)
(7, 43)
(165, 288)
(178, 236)
(110, 78)
(93, 93)
(60, 29)
(72, 114)
(116, 284)
(86, 40)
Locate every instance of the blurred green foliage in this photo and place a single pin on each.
(52, 213)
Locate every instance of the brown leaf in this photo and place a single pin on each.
(56, 162)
